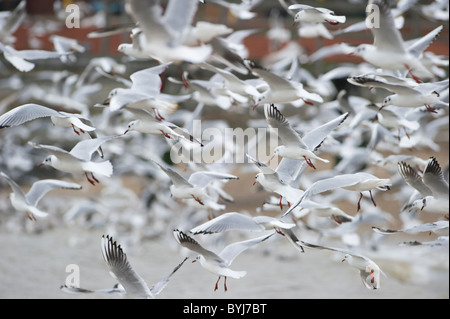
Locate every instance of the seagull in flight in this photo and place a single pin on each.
(27, 202)
(130, 282)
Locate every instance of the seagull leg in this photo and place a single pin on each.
(430, 109)
(415, 78)
(198, 200)
(359, 202)
(90, 180)
(225, 283)
(217, 284)
(307, 102)
(371, 197)
(281, 204)
(165, 134)
(279, 232)
(308, 161)
(75, 130)
(31, 216)
(93, 177)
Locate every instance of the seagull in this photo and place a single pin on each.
(29, 112)
(439, 227)
(234, 220)
(368, 269)
(272, 180)
(281, 90)
(432, 183)
(144, 93)
(240, 10)
(130, 282)
(27, 202)
(160, 36)
(195, 186)
(293, 146)
(389, 50)
(424, 94)
(218, 264)
(359, 182)
(11, 22)
(432, 187)
(20, 59)
(78, 160)
(315, 15)
(148, 124)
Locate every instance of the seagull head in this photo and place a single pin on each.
(47, 161)
(131, 126)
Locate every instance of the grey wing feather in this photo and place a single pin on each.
(413, 179)
(434, 179)
(191, 244)
(226, 222)
(159, 286)
(42, 187)
(14, 186)
(118, 263)
(203, 178)
(314, 138)
(83, 150)
(25, 113)
(230, 252)
(276, 120)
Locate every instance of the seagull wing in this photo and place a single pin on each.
(25, 113)
(314, 138)
(413, 179)
(230, 252)
(176, 178)
(160, 285)
(203, 178)
(42, 187)
(434, 179)
(386, 36)
(226, 222)
(276, 120)
(191, 244)
(18, 192)
(178, 17)
(118, 264)
(83, 150)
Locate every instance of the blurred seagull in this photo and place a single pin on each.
(359, 182)
(218, 263)
(389, 50)
(78, 160)
(281, 90)
(294, 146)
(233, 220)
(130, 282)
(317, 15)
(195, 186)
(27, 202)
(240, 10)
(161, 36)
(405, 95)
(29, 112)
(11, 22)
(439, 227)
(368, 269)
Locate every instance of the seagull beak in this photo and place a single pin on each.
(255, 106)
(294, 23)
(40, 165)
(254, 183)
(125, 132)
(194, 261)
(343, 260)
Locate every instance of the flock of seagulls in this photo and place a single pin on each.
(337, 143)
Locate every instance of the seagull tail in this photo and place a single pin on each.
(100, 168)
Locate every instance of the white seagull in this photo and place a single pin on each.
(439, 227)
(195, 186)
(359, 182)
(317, 15)
(369, 271)
(29, 112)
(293, 146)
(405, 95)
(432, 186)
(27, 202)
(161, 35)
(130, 282)
(78, 160)
(218, 264)
(389, 50)
(234, 220)
(281, 90)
